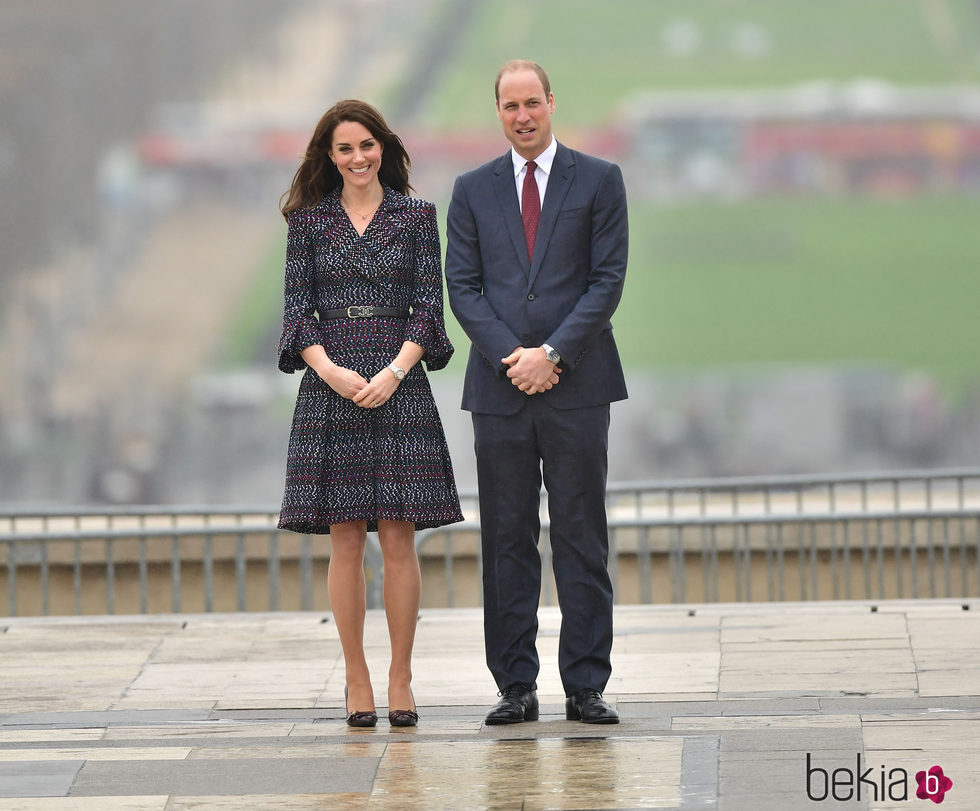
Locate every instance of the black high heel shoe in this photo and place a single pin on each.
(359, 718)
(404, 718)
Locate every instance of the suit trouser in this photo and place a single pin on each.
(569, 446)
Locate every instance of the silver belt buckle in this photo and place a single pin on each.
(359, 311)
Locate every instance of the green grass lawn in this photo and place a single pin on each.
(597, 54)
(804, 281)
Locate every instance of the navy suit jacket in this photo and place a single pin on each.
(564, 298)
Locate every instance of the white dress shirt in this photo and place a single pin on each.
(543, 162)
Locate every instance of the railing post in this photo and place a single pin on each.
(208, 574)
(110, 579)
(447, 562)
(680, 573)
(77, 575)
(834, 561)
(780, 563)
(240, 570)
(274, 571)
(45, 585)
(644, 566)
(144, 577)
(715, 596)
(747, 538)
(306, 573)
(913, 561)
(612, 564)
(880, 555)
(12, 579)
(175, 573)
(947, 574)
(813, 562)
(544, 545)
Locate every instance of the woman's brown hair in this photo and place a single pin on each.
(317, 176)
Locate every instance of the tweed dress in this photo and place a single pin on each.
(345, 462)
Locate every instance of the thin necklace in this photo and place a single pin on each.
(350, 210)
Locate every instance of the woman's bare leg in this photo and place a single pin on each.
(403, 597)
(346, 587)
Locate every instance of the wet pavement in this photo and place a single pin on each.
(748, 706)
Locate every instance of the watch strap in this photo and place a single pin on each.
(551, 353)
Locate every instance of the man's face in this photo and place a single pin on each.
(525, 112)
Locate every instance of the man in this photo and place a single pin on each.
(535, 265)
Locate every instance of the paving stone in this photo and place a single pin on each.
(90, 753)
(80, 720)
(130, 803)
(37, 778)
(905, 704)
(770, 765)
(699, 772)
(280, 802)
(207, 729)
(14, 735)
(533, 774)
(226, 777)
(802, 721)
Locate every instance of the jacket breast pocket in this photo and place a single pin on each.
(576, 213)
(573, 229)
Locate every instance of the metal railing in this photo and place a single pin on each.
(874, 555)
(89, 540)
(897, 491)
(908, 534)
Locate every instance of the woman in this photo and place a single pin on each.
(367, 452)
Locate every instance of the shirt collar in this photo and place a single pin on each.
(543, 161)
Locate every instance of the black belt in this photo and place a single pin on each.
(367, 311)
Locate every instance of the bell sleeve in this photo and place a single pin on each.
(426, 325)
(300, 325)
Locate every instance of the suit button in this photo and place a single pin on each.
(530, 296)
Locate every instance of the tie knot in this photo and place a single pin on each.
(531, 166)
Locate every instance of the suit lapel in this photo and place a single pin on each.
(559, 182)
(505, 188)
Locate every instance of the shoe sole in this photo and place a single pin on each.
(531, 715)
(572, 715)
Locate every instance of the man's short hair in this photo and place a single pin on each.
(521, 64)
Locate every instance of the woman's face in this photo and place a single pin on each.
(357, 154)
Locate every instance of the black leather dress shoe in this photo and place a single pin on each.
(518, 703)
(589, 707)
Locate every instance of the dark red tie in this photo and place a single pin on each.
(530, 207)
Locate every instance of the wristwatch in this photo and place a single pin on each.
(551, 353)
(397, 372)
